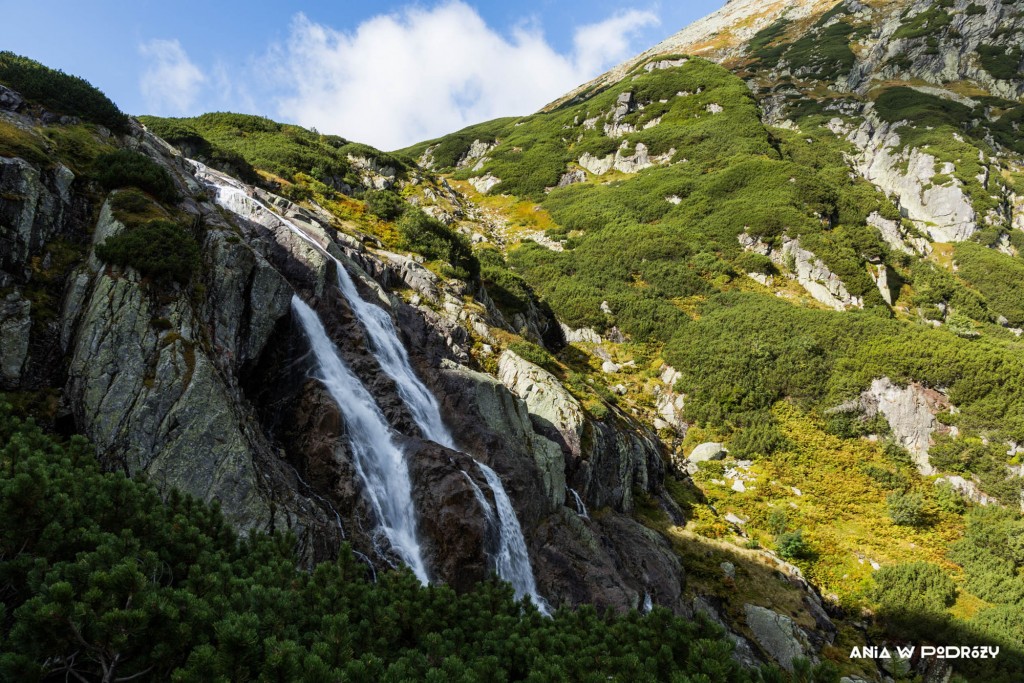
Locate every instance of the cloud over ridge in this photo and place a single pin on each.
(418, 73)
(171, 82)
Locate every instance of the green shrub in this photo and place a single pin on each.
(1001, 62)
(60, 92)
(155, 585)
(436, 241)
(531, 352)
(925, 23)
(906, 509)
(913, 598)
(277, 148)
(125, 168)
(999, 277)
(384, 204)
(948, 499)
(508, 290)
(792, 545)
(158, 249)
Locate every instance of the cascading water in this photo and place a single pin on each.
(581, 509)
(378, 461)
(394, 361)
(513, 561)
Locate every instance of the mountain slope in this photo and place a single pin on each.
(739, 333)
(698, 220)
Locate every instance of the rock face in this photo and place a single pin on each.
(944, 211)
(554, 410)
(623, 161)
(35, 206)
(812, 274)
(777, 635)
(910, 412)
(896, 236)
(15, 325)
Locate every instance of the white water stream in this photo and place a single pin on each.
(380, 463)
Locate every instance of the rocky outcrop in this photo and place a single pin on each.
(373, 173)
(484, 183)
(812, 274)
(15, 326)
(623, 161)
(944, 211)
(35, 206)
(496, 424)
(777, 635)
(910, 412)
(554, 411)
(897, 237)
(459, 537)
(476, 155)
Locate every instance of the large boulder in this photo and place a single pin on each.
(910, 411)
(777, 635)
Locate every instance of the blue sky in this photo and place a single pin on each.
(385, 73)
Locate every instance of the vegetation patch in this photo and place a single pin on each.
(159, 249)
(1002, 62)
(128, 581)
(126, 168)
(60, 92)
(435, 240)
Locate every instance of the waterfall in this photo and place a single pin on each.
(481, 500)
(512, 562)
(378, 461)
(581, 509)
(386, 469)
(648, 604)
(394, 361)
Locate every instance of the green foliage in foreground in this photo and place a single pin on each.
(60, 92)
(158, 249)
(102, 577)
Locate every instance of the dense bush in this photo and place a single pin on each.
(280, 149)
(125, 168)
(435, 240)
(906, 509)
(384, 204)
(159, 249)
(999, 277)
(1000, 61)
(792, 545)
(104, 576)
(60, 92)
(913, 598)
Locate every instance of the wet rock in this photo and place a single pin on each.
(457, 538)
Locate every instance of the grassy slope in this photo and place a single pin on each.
(760, 368)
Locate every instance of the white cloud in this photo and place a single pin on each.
(171, 82)
(419, 73)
